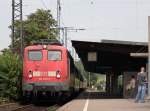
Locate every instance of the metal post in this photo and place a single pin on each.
(21, 30)
(17, 15)
(149, 56)
(12, 29)
(66, 29)
(66, 37)
(89, 79)
(58, 17)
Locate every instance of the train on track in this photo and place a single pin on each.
(49, 71)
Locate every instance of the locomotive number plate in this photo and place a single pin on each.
(36, 74)
(52, 73)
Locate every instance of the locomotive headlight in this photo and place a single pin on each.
(30, 75)
(44, 46)
(58, 76)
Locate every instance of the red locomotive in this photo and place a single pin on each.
(48, 69)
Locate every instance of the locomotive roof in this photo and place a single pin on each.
(47, 42)
(49, 46)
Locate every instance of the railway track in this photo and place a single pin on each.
(30, 107)
(8, 106)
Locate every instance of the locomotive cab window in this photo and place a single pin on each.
(54, 55)
(35, 55)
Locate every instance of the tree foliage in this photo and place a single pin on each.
(38, 25)
(10, 75)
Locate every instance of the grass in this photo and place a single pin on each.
(53, 108)
(3, 101)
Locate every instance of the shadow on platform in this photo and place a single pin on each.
(98, 95)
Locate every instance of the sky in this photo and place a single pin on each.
(101, 19)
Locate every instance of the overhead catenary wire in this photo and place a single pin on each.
(44, 4)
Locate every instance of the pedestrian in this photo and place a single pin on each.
(141, 83)
(132, 84)
(131, 87)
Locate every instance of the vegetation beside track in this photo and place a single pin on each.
(53, 108)
(10, 76)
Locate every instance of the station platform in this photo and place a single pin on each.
(88, 104)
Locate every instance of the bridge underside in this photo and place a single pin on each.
(111, 58)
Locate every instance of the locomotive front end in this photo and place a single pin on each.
(45, 70)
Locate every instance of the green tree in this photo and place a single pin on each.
(10, 75)
(38, 25)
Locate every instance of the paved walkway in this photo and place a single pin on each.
(105, 105)
(86, 104)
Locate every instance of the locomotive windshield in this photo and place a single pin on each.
(35, 55)
(54, 55)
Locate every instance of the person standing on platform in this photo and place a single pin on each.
(141, 83)
(132, 85)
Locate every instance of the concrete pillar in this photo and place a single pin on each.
(149, 56)
(115, 84)
(108, 84)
